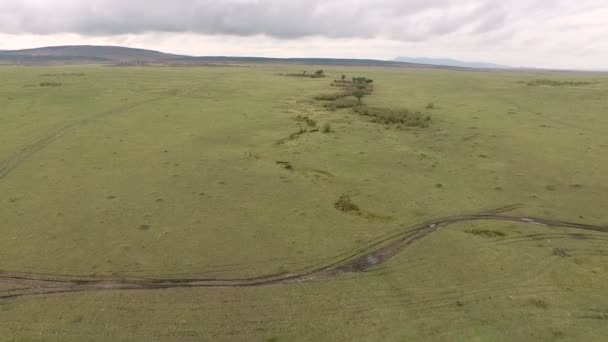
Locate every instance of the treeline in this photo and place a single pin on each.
(352, 93)
(316, 74)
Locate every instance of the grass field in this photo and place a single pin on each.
(172, 172)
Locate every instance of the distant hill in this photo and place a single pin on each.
(450, 63)
(71, 54)
(116, 55)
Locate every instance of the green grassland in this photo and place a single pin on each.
(150, 172)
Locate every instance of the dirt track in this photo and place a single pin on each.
(7, 165)
(372, 254)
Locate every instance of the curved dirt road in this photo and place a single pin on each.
(370, 255)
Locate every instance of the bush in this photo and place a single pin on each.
(51, 84)
(431, 105)
(362, 80)
(555, 83)
(359, 94)
(331, 97)
(394, 116)
(316, 74)
(326, 127)
(344, 102)
(486, 233)
(345, 204)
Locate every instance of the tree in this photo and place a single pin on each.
(359, 94)
(319, 73)
(343, 77)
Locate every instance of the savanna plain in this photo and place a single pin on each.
(258, 203)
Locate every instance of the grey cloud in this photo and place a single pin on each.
(394, 19)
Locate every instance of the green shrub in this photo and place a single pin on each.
(359, 94)
(555, 83)
(486, 233)
(344, 102)
(51, 84)
(394, 116)
(331, 97)
(345, 204)
(316, 74)
(362, 80)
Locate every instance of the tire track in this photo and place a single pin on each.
(9, 164)
(375, 253)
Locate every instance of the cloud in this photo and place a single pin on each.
(395, 19)
(543, 33)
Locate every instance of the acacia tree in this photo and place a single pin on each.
(359, 94)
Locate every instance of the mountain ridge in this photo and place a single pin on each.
(118, 55)
(451, 62)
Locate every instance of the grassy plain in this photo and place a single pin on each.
(145, 172)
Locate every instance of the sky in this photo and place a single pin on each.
(531, 33)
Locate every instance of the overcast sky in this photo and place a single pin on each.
(540, 33)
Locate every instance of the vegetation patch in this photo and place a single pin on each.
(538, 302)
(331, 97)
(286, 165)
(344, 102)
(562, 253)
(486, 233)
(144, 227)
(345, 204)
(309, 122)
(316, 74)
(51, 84)
(389, 116)
(356, 89)
(292, 136)
(555, 83)
(63, 74)
(595, 314)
